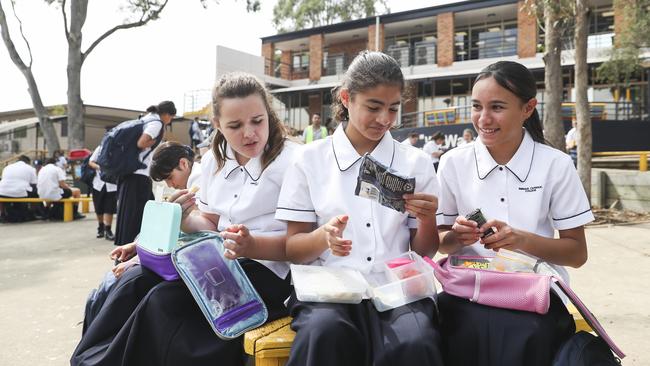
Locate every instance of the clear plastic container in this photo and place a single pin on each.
(328, 284)
(393, 286)
(509, 261)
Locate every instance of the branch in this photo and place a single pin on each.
(6, 37)
(20, 25)
(143, 20)
(65, 21)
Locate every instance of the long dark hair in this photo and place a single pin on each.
(241, 85)
(518, 80)
(367, 70)
(166, 106)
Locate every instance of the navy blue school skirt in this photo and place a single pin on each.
(479, 335)
(147, 321)
(358, 335)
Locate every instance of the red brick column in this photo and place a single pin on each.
(315, 105)
(267, 53)
(315, 56)
(619, 18)
(285, 67)
(526, 31)
(411, 104)
(445, 39)
(371, 37)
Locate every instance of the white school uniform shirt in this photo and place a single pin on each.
(152, 127)
(98, 183)
(16, 179)
(48, 182)
(195, 179)
(538, 190)
(431, 147)
(317, 192)
(247, 195)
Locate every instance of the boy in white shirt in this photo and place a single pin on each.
(51, 185)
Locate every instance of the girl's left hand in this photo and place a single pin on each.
(238, 241)
(421, 205)
(505, 236)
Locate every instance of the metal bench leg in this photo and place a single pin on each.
(67, 211)
(85, 206)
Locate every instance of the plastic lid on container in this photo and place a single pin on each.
(328, 284)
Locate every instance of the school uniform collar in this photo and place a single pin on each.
(520, 164)
(346, 156)
(253, 167)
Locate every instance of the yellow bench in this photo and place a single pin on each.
(68, 214)
(271, 343)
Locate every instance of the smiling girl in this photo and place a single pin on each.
(527, 190)
(329, 226)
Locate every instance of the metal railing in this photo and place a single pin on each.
(453, 115)
(489, 45)
(284, 70)
(421, 53)
(335, 64)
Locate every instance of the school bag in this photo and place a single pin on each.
(87, 173)
(585, 349)
(120, 152)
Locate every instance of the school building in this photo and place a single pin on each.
(441, 49)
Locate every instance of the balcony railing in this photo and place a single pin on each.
(489, 45)
(599, 111)
(284, 70)
(421, 53)
(600, 40)
(335, 64)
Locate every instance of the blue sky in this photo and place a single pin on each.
(142, 66)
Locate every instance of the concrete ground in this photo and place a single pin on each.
(47, 270)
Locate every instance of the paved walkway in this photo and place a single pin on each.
(47, 270)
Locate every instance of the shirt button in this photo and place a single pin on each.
(367, 224)
(236, 197)
(500, 168)
(369, 259)
(503, 199)
(241, 169)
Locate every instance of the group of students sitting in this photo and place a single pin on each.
(281, 202)
(22, 180)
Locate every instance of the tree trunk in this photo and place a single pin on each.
(583, 115)
(51, 139)
(76, 131)
(553, 128)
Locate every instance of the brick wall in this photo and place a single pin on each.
(526, 31)
(315, 105)
(267, 54)
(411, 104)
(285, 71)
(371, 37)
(315, 56)
(350, 49)
(445, 39)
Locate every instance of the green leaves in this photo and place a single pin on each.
(292, 15)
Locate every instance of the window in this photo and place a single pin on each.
(300, 61)
(20, 133)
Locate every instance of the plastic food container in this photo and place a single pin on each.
(389, 285)
(328, 284)
(401, 281)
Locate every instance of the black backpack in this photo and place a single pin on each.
(585, 349)
(120, 152)
(87, 173)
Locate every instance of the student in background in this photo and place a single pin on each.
(329, 226)
(104, 200)
(527, 190)
(411, 140)
(435, 148)
(51, 185)
(134, 190)
(196, 136)
(18, 181)
(468, 137)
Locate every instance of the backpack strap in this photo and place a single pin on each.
(158, 138)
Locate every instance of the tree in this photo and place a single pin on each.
(49, 133)
(624, 63)
(583, 115)
(291, 15)
(144, 11)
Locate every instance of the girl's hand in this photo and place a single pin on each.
(238, 241)
(123, 252)
(504, 237)
(122, 267)
(467, 232)
(334, 233)
(186, 199)
(421, 205)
